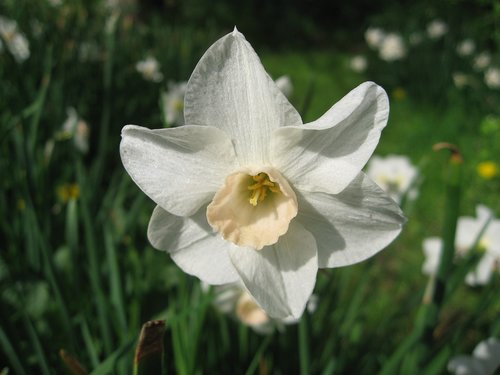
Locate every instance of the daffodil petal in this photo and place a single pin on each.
(193, 246)
(351, 226)
(483, 272)
(488, 351)
(327, 154)
(230, 89)
(468, 230)
(465, 365)
(280, 277)
(493, 235)
(181, 168)
(432, 251)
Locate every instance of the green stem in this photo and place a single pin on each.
(304, 345)
(452, 208)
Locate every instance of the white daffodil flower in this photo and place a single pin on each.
(77, 129)
(482, 61)
(374, 37)
(173, 103)
(246, 192)
(358, 63)
(492, 77)
(285, 85)
(392, 48)
(15, 40)
(432, 252)
(485, 359)
(233, 299)
(466, 47)
(436, 29)
(395, 174)
(150, 69)
(460, 79)
(469, 229)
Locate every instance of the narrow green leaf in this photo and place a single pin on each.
(258, 355)
(115, 282)
(108, 366)
(10, 353)
(94, 272)
(304, 345)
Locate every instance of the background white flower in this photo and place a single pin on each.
(249, 193)
(432, 247)
(492, 77)
(233, 299)
(358, 63)
(173, 103)
(150, 69)
(395, 174)
(436, 29)
(15, 41)
(55, 3)
(460, 79)
(77, 129)
(485, 359)
(482, 61)
(374, 37)
(469, 229)
(392, 48)
(466, 47)
(285, 85)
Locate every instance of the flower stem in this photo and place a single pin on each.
(452, 205)
(304, 345)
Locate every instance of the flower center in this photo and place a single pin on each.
(273, 204)
(260, 188)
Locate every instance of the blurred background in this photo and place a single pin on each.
(76, 271)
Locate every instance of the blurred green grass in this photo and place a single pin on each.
(79, 274)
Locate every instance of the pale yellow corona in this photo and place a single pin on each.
(273, 205)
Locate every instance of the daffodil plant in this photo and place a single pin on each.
(246, 192)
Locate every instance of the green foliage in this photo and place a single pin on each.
(76, 271)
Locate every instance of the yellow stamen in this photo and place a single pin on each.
(260, 188)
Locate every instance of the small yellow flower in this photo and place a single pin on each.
(68, 192)
(21, 204)
(487, 169)
(399, 93)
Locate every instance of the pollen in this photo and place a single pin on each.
(259, 189)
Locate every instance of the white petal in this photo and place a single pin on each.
(192, 245)
(483, 213)
(180, 169)
(327, 154)
(466, 365)
(468, 230)
(488, 351)
(230, 89)
(351, 226)
(281, 277)
(432, 250)
(482, 274)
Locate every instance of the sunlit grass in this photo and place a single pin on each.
(77, 273)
